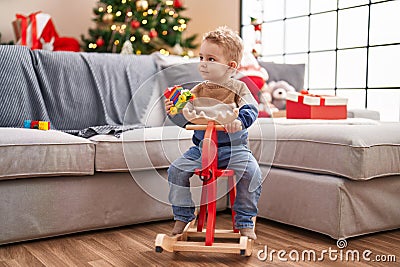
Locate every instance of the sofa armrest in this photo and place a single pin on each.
(363, 113)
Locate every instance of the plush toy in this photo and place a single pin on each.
(278, 92)
(48, 46)
(252, 74)
(265, 106)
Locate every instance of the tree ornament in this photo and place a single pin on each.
(153, 33)
(146, 38)
(127, 48)
(178, 4)
(257, 27)
(190, 53)
(135, 24)
(257, 47)
(256, 51)
(100, 41)
(101, 7)
(256, 23)
(142, 5)
(108, 18)
(177, 49)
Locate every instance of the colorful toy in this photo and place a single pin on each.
(44, 125)
(179, 97)
(41, 125)
(27, 124)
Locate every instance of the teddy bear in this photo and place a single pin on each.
(276, 91)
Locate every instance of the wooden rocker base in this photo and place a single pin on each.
(235, 243)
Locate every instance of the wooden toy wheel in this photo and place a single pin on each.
(173, 110)
(182, 98)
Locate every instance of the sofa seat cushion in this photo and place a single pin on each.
(141, 149)
(338, 207)
(356, 151)
(35, 153)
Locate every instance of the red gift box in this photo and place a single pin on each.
(37, 31)
(309, 106)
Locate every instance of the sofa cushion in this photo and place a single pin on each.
(141, 149)
(34, 153)
(290, 73)
(177, 70)
(356, 151)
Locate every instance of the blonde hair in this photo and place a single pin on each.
(229, 40)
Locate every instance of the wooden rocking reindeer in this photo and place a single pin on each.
(233, 241)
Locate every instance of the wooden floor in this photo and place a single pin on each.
(134, 246)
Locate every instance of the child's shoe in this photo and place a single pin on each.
(178, 227)
(249, 232)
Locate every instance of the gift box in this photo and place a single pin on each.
(33, 27)
(37, 31)
(308, 106)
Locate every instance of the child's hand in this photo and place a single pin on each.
(168, 104)
(234, 126)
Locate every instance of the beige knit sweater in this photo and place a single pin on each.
(219, 103)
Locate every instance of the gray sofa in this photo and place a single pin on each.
(104, 162)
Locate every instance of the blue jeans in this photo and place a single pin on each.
(248, 178)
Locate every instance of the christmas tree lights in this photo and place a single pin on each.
(139, 27)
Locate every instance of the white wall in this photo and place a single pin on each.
(73, 17)
(206, 15)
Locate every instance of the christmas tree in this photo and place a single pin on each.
(140, 27)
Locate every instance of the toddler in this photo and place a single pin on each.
(220, 54)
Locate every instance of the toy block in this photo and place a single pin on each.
(27, 124)
(34, 124)
(179, 97)
(41, 125)
(44, 125)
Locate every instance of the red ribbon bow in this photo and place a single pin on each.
(24, 28)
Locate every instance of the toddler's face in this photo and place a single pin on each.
(213, 64)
